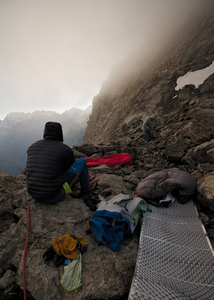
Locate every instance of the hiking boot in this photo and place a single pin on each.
(93, 185)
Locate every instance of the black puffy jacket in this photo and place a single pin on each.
(47, 162)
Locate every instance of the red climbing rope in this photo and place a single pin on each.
(93, 178)
(28, 222)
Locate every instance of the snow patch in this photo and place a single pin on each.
(196, 78)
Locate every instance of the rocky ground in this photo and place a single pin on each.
(105, 274)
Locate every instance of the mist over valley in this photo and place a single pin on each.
(19, 130)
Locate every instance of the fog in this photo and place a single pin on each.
(54, 55)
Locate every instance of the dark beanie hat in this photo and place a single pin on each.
(53, 131)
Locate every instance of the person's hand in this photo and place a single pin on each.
(148, 130)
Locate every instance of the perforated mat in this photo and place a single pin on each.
(175, 258)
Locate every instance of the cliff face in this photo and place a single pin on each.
(150, 87)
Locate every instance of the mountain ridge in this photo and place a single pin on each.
(19, 130)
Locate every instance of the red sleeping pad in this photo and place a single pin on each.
(111, 160)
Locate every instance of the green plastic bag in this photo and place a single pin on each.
(71, 280)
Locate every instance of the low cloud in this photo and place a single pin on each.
(55, 55)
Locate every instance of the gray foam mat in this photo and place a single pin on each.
(175, 258)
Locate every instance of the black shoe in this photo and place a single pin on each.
(90, 203)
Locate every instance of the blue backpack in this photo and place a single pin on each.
(116, 218)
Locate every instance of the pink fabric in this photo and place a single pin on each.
(111, 160)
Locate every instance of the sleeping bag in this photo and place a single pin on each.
(110, 160)
(157, 185)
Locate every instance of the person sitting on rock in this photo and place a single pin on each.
(147, 127)
(51, 169)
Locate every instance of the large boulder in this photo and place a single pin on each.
(202, 126)
(205, 191)
(105, 274)
(202, 153)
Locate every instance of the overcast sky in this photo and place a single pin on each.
(55, 54)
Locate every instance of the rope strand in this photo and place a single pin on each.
(24, 255)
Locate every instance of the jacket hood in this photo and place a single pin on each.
(153, 117)
(53, 131)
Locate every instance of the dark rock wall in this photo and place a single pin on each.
(152, 89)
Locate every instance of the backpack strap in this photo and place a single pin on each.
(101, 240)
(114, 222)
